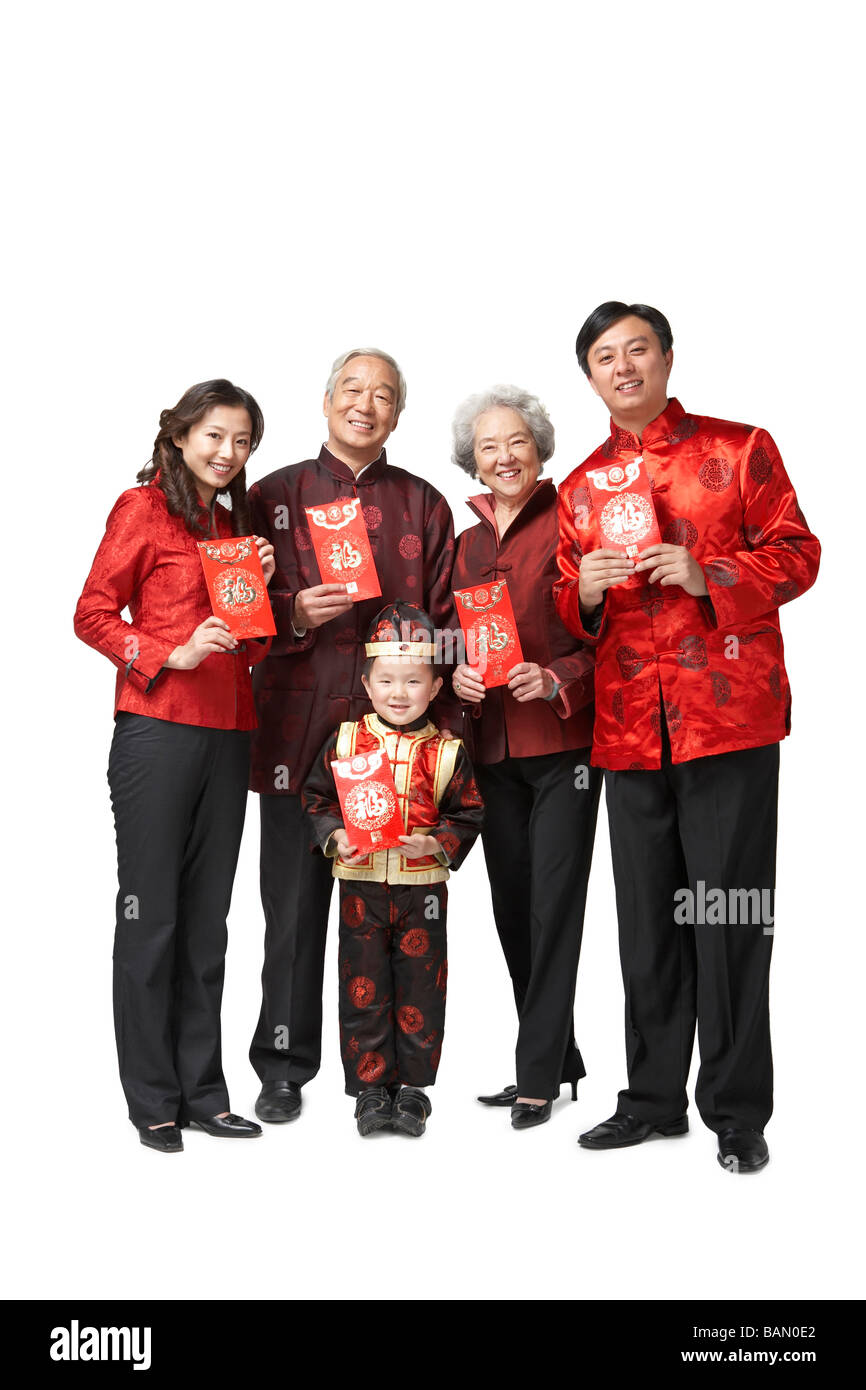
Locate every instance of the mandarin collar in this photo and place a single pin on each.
(382, 725)
(482, 505)
(371, 474)
(660, 428)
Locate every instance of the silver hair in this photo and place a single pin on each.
(528, 407)
(369, 352)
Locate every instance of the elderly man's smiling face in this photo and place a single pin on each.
(630, 372)
(361, 413)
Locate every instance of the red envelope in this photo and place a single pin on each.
(622, 498)
(487, 620)
(368, 801)
(237, 588)
(342, 547)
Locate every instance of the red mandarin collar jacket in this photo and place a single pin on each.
(310, 684)
(721, 490)
(526, 558)
(149, 563)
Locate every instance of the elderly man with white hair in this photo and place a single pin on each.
(310, 683)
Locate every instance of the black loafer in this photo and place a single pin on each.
(410, 1111)
(279, 1102)
(621, 1131)
(507, 1096)
(524, 1115)
(229, 1127)
(373, 1110)
(743, 1150)
(166, 1140)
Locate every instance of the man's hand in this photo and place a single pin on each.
(418, 845)
(347, 852)
(319, 604)
(673, 564)
(599, 570)
(468, 685)
(529, 681)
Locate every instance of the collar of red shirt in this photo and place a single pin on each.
(371, 474)
(482, 505)
(660, 428)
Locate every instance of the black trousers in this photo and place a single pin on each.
(296, 887)
(393, 979)
(703, 825)
(179, 794)
(539, 828)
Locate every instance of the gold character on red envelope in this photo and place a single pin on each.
(346, 557)
(236, 585)
(487, 619)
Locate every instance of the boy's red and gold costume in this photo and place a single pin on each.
(393, 949)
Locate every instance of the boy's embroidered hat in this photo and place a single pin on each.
(401, 629)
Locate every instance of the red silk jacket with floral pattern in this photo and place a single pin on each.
(721, 490)
(436, 791)
(149, 563)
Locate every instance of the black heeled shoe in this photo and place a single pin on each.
(229, 1127)
(525, 1115)
(507, 1096)
(166, 1139)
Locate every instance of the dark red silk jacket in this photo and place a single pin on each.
(721, 490)
(501, 726)
(149, 563)
(309, 685)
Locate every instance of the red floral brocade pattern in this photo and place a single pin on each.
(149, 563)
(721, 490)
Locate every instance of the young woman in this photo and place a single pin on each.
(179, 758)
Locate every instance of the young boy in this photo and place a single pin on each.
(392, 955)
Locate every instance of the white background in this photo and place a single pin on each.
(205, 190)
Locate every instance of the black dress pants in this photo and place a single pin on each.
(539, 829)
(179, 794)
(296, 887)
(704, 825)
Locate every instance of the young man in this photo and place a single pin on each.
(692, 700)
(310, 682)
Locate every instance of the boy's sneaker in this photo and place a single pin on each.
(410, 1110)
(373, 1110)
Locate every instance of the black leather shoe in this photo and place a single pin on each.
(279, 1102)
(229, 1127)
(410, 1111)
(524, 1115)
(507, 1096)
(373, 1110)
(743, 1150)
(621, 1131)
(166, 1140)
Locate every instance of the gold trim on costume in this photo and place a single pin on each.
(400, 648)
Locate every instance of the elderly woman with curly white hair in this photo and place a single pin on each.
(529, 742)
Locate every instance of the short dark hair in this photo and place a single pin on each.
(611, 312)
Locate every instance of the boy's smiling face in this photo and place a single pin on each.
(401, 687)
